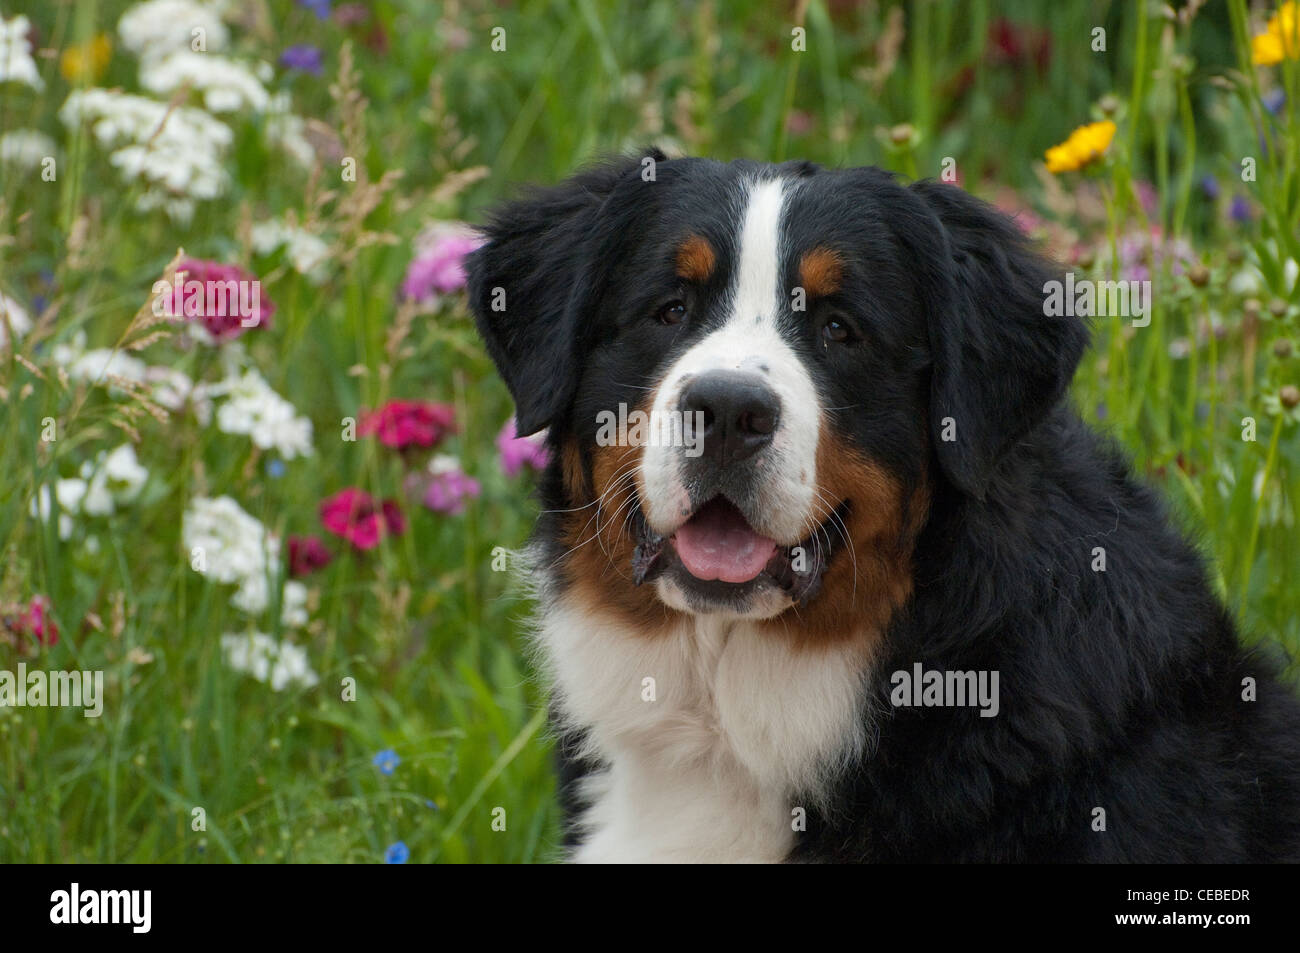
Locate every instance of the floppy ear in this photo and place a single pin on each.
(532, 283)
(1000, 364)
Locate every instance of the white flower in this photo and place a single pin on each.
(288, 131)
(307, 253)
(112, 478)
(226, 543)
(16, 63)
(253, 597)
(174, 390)
(18, 319)
(253, 408)
(69, 494)
(226, 84)
(441, 463)
(175, 153)
(25, 149)
(258, 655)
(98, 500)
(160, 26)
(126, 475)
(293, 604)
(104, 362)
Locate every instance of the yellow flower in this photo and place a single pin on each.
(88, 61)
(1281, 39)
(1086, 144)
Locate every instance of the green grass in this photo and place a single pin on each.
(431, 635)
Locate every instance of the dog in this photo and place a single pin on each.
(865, 588)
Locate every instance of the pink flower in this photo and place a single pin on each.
(306, 555)
(37, 622)
(518, 452)
(449, 487)
(353, 515)
(409, 423)
(225, 299)
(439, 266)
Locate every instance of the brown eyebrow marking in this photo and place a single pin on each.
(820, 271)
(695, 259)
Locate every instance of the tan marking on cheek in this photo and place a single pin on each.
(601, 540)
(870, 579)
(695, 259)
(575, 476)
(821, 271)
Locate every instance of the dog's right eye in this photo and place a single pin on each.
(674, 312)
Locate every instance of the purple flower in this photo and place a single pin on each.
(1239, 210)
(449, 487)
(397, 853)
(1210, 186)
(1275, 100)
(302, 57)
(319, 7)
(518, 452)
(439, 266)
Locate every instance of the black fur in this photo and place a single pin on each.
(1120, 690)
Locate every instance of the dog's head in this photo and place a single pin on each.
(755, 376)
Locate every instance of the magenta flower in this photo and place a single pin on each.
(38, 623)
(353, 515)
(439, 267)
(449, 487)
(409, 423)
(224, 299)
(518, 452)
(306, 555)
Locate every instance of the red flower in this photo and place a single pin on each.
(306, 555)
(354, 515)
(409, 423)
(1018, 45)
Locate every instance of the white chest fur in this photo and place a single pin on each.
(712, 733)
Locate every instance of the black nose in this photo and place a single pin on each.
(739, 410)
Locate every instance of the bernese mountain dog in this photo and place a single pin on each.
(827, 568)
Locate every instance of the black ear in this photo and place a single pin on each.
(532, 283)
(1000, 364)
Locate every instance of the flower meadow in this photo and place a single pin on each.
(259, 471)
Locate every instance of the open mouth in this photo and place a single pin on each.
(717, 553)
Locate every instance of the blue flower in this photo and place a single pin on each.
(398, 853)
(302, 57)
(275, 467)
(319, 7)
(1210, 186)
(386, 761)
(1275, 100)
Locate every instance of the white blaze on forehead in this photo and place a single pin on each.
(749, 339)
(759, 269)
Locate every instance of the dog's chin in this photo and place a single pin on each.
(715, 563)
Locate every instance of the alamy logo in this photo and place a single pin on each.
(671, 428)
(38, 689)
(133, 907)
(1085, 298)
(953, 689)
(208, 299)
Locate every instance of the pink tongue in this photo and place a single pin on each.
(717, 543)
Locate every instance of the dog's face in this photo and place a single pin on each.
(756, 376)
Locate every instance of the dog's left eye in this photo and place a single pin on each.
(837, 332)
(674, 312)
